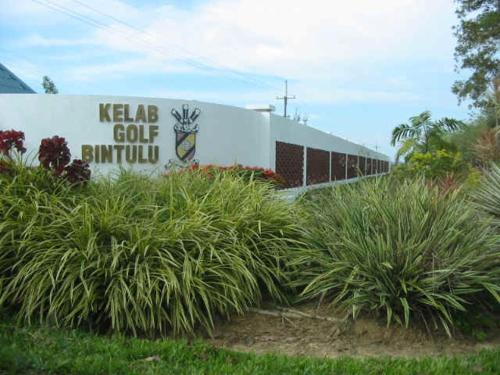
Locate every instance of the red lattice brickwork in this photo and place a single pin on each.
(290, 163)
(352, 165)
(369, 166)
(338, 166)
(318, 166)
(385, 166)
(362, 165)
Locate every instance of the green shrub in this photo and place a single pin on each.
(401, 249)
(432, 165)
(138, 254)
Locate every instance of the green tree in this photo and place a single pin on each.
(422, 134)
(477, 50)
(49, 86)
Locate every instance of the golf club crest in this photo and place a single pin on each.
(185, 129)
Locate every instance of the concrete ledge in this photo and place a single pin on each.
(293, 193)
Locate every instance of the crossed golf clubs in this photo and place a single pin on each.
(185, 120)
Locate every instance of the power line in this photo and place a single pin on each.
(92, 22)
(70, 13)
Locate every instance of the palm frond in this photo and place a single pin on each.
(421, 119)
(403, 132)
(407, 147)
(448, 125)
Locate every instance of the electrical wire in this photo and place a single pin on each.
(189, 61)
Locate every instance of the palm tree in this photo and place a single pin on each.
(421, 131)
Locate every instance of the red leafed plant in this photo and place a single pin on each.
(78, 172)
(10, 139)
(54, 154)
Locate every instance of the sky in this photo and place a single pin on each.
(357, 68)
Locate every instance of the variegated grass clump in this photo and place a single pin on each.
(487, 196)
(142, 255)
(400, 249)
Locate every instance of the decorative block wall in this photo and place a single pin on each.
(321, 165)
(290, 163)
(362, 165)
(318, 166)
(352, 166)
(338, 166)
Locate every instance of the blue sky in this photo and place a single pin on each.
(358, 68)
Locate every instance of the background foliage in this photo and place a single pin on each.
(477, 35)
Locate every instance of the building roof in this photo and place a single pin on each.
(11, 84)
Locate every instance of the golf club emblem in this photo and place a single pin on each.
(185, 132)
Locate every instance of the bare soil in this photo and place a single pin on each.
(293, 334)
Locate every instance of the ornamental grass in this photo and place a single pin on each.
(487, 196)
(401, 250)
(141, 255)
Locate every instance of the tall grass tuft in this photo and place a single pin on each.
(400, 249)
(142, 255)
(487, 196)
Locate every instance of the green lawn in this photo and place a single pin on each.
(38, 350)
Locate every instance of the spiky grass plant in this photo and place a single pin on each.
(487, 196)
(143, 255)
(404, 250)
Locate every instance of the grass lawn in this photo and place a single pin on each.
(35, 350)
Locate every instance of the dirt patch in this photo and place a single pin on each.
(294, 334)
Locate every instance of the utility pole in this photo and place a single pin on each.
(285, 98)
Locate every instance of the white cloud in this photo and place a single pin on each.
(303, 39)
(90, 72)
(306, 41)
(320, 44)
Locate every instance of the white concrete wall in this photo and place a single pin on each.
(227, 135)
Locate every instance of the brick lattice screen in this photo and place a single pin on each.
(290, 163)
(352, 166)
(338, 166)
(318, 165)
(362, 165)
